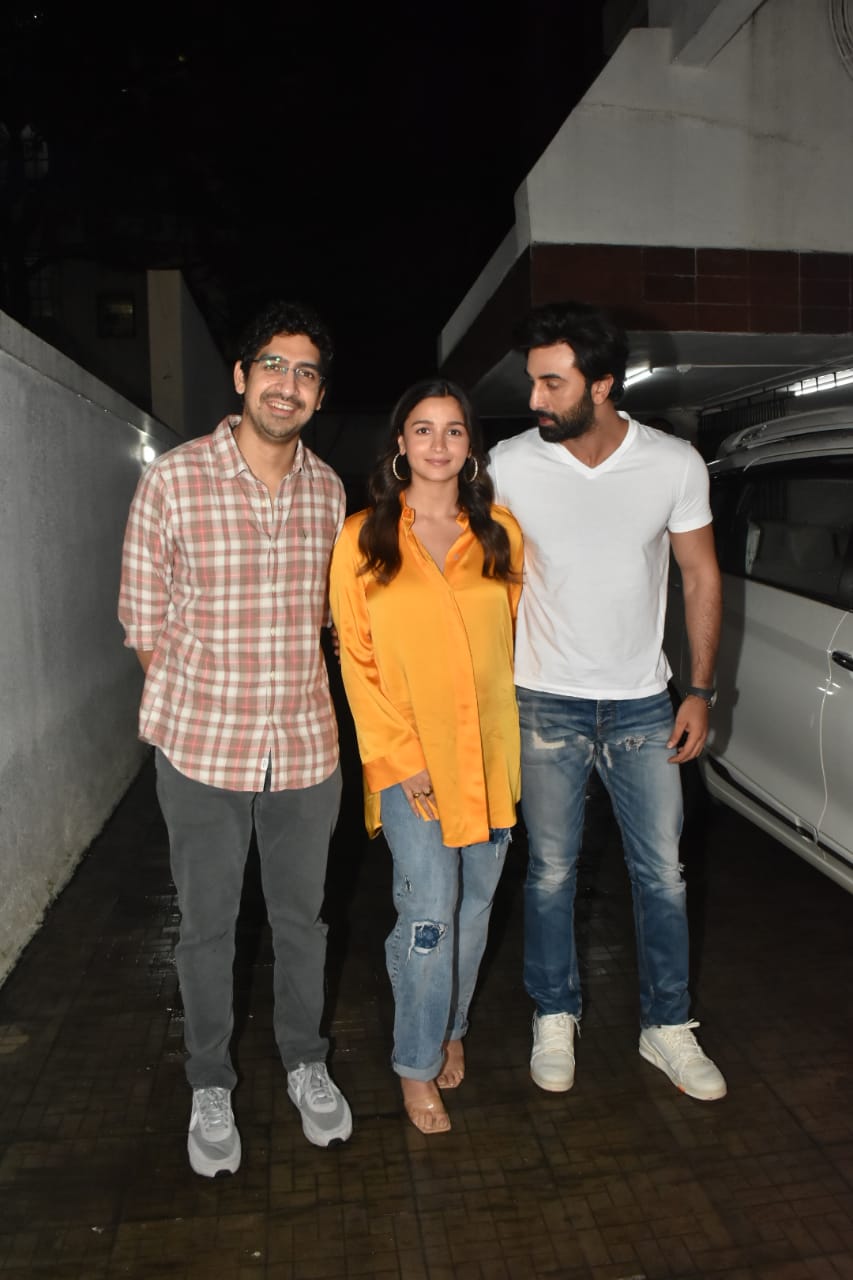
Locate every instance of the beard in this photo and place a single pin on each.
(269, 427)
(571, 425)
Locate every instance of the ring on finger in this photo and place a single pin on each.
(416, 795)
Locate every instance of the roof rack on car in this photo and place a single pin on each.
(817, 422)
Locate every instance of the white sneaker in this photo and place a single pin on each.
(326, 1117)
(213, 1142)
(675, 1051)
(552, 1062)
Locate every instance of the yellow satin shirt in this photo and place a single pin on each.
(427, 666)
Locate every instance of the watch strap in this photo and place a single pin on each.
(707, 695)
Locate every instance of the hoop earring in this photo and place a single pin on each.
(397, 476)
(472, 478)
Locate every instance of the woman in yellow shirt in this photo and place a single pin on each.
(424, 587)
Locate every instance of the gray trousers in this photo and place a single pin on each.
(210, 830)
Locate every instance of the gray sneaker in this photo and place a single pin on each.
(326, 1117)
(675, 1051)
(213, 1141)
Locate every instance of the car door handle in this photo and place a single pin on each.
(843, 659)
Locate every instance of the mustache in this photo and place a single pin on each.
(296, 401)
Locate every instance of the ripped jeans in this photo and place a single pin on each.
(562, 740)
(443, 898)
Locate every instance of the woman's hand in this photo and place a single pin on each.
(418, 791)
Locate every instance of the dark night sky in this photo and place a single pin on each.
(361, 158)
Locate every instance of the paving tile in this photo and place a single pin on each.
(620, 1179)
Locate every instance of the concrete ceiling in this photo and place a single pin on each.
(693, 372)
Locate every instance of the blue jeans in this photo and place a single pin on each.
(443, 898)
(562, 740)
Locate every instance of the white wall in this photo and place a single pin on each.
(69, 690)
(753, 151)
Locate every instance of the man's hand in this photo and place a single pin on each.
(419, 793)
(145, 656)
(691, 724)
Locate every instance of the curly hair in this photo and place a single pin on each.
(379, 540)
(599, 344)
(285, 317)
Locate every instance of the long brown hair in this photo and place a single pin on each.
(379, 541)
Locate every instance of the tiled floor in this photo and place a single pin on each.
(620, 1179)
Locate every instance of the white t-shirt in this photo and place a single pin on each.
(596, 558)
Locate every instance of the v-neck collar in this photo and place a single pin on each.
(569, 459)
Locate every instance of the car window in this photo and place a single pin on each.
(789, 525)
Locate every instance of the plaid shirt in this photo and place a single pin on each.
(229, 589)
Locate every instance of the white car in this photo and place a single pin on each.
(780, 746)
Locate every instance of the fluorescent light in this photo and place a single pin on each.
(822, 382)
(637, 375)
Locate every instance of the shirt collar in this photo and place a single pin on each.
(407, 514)
(231, 460)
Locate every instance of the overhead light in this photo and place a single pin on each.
(822, 382)
(637, 375)
(148, 454)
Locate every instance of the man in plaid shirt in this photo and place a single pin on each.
(223, 595)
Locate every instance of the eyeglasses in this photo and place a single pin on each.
(277, 366)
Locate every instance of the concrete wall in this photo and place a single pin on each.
(72, 455)
(754, 150)
(192, 387)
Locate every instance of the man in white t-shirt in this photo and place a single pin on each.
(602, 500)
